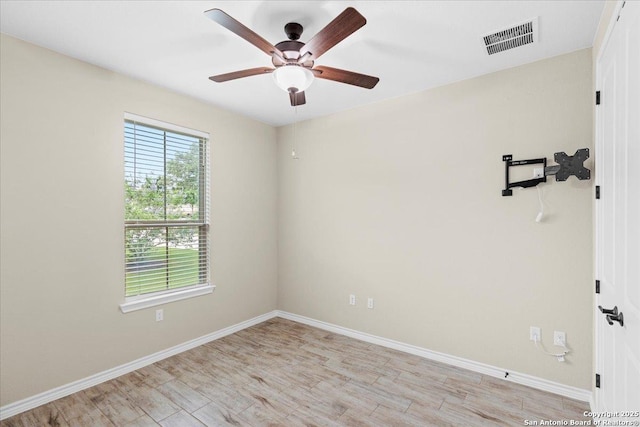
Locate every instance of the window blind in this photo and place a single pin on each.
(166, 208)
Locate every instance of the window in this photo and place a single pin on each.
(166, 213)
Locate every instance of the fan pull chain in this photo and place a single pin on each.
(295, 125)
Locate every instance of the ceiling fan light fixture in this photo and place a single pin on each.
(293, 77)
(293, 61)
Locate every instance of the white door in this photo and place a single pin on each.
(618, 214)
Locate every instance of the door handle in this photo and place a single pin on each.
(617, 318)
(613, 311)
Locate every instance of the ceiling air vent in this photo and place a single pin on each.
(518, 35)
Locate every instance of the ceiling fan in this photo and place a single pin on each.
(293, 60)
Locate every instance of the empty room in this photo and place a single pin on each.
(319, 213)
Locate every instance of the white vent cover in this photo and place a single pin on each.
(512, 37)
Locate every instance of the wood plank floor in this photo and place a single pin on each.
(284, 373)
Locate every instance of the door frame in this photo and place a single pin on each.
(597, 321)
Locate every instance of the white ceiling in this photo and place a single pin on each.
(410, 45)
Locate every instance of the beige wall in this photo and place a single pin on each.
(401, 201)
(62, 215)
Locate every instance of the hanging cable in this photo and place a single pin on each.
(541, 212)
(559, 356)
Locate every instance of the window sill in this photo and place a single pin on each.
(140, 303)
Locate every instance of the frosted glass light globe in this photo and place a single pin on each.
(293, 77)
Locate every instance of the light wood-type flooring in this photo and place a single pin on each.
(284, 373)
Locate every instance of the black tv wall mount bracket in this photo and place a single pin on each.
(567, 166)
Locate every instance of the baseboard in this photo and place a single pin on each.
(482, 368)
(76, 386)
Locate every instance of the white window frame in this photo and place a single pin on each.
(143, 301)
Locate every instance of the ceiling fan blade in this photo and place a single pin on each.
(337, 30)
(297, 98)
(236, 27)
(344, 76)
(239, 74)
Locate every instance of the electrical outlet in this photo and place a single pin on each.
(352, 299)
(559, 338)
(159, 315)
(370, 303)
(538, 172)
(534, 333)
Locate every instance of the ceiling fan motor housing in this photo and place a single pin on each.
(290, 49)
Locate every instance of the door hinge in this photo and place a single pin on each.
(597, 286)
(597, 192)
(597, 380)
(597, 97)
